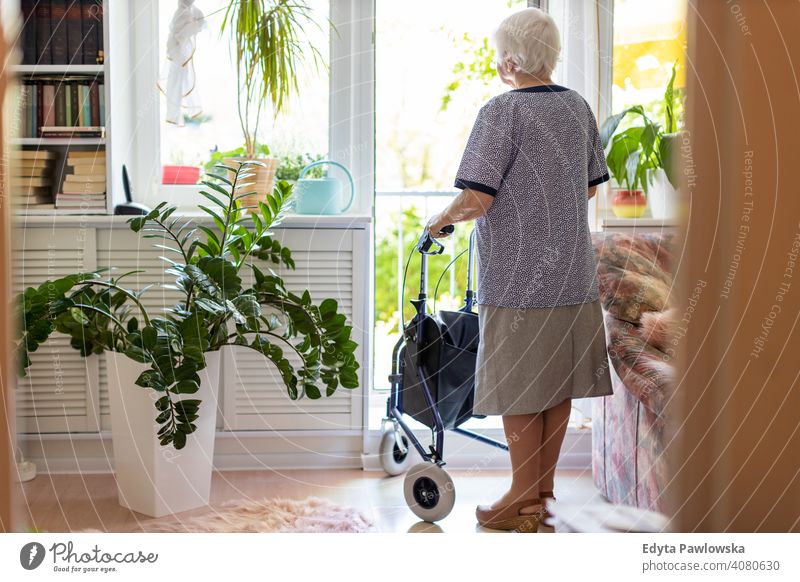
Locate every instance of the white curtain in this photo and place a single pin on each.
(585, 65)
(585, 60)
(181, 93)
(580, 65)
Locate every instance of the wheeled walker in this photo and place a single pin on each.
(432, 381)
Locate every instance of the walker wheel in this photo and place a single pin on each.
(393, 459)
(429, 492)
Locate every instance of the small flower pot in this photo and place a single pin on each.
(629, 203)
(180, 175)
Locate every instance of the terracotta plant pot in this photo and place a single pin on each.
(629, 203)
(263, 181)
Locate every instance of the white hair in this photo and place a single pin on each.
(529, 39)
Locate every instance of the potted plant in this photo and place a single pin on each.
(666, 175)
(630, 154)
(641, 156)
(269, 47)
(164, 363)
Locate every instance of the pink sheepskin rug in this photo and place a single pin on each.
(312, 515)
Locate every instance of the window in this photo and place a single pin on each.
(434, 69)
(301, 130)
(649, 38)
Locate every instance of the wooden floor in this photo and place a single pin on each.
(61, 503)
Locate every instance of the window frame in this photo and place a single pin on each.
(351, 135)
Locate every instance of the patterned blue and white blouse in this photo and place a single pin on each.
(536, 150)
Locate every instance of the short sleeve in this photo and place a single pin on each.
(598, 170)
(489, 152)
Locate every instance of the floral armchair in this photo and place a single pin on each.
(635, 281)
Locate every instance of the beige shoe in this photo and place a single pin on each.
(509, 518)
(546, 495)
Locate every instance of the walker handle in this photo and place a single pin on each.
(426, 241)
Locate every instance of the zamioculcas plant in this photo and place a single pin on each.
(310, 344)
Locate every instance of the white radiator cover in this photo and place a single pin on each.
(64, 393)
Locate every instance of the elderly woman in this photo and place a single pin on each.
(531, 164)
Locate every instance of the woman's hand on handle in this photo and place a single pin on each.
(436, 224)
(468, 205)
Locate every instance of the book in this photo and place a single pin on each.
(79, 204)
(69, 131)
(39, 109)
(34, 113)
(34, 154)
(86, 113)
(27, 110)
(61, 109)
(74, 90)
(102, 103)
(90, 170)
(86, 163)
(67, 103)
(89, 31)
(27, 172)
(75, 154)
(87, 178)
(33, 182)
(74, 160)
(74, 32)
(58, 32)
(101, 204)
(90, 196)
(33, 195)
(94, 103)
(36, 199)
(49, 106)
(42, 16)
(29, 32)
(83, 188)
(46, 206)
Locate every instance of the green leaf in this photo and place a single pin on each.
(610, 125)
(79, 316)
(179, 440)
(149, 337)
(668, 148)
(186, 387)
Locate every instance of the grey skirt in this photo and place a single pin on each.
(530, 360)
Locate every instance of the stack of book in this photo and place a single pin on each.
(84, 190)
(31, 187)
(71, 106)
(62, 32)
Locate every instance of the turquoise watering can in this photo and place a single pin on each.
(322, 195)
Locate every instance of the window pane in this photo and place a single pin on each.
(301, 128)
(434, 69)
(649, 37)
(421, 48)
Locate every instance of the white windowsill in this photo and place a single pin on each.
(111, 221)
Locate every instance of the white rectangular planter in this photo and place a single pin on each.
(152, 479)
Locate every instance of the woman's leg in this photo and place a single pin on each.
(524, 437)
(554, 428)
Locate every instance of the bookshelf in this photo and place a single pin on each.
(116, 44)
